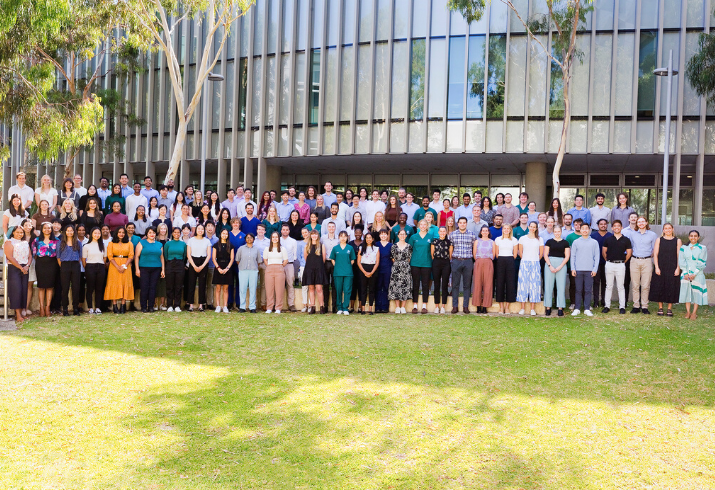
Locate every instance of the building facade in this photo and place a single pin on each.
(389, 93)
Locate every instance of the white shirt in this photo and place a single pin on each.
(530, 246)
(25, 192)
(14, 221)
(47, 195)
(410, 210)
(369, 256)
(199, 246)
(505, 246)
(92, 254)
(343, 211)
(241, 208)
(81, 191)
(275, 257)
(339, 226)
(371, 208)
(291, 247)
(437, 206)
(131, 203)
(598, 214)
(179, 222)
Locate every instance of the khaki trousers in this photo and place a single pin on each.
(641, 272)
(275, 286)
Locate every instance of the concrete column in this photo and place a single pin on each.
(248, 171)
(268, 177)
(235, 172)
(221, 176)
(184, 174)
(536, 175)
(150, 170)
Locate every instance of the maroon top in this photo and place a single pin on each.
(115, 220)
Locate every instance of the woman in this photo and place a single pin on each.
(163, 237)
(400, 289)
(313, 224)
(185, 218)
(498, 201)
(483, 280)
(314, 272)
(421, 265)
(384, 270)
(69, 255)
(91, 195)
(343, 256)
(557, 212)
(222, 256)
(196, 204)
(367, 259)
(445, 213)
(224, 221)
(248, 257)
(175, 263)
(455, 203)
(665, 283)
(378, 225)
(265, 204)
(94, 260)
(30, 236)
(215, 206)
(488, 213)
(199, 253)
(362, 192)
(68, 213)
(557, 253)
(357, 220)
(450, 225)
(115, 196)
(149, 267)
(303, 208)
(272, 222)
(276, 258)
(68, 192)
(432, 229)
(623, 210)
(442, 249)
(92, 217)
(13, 216)
(162, 219)
(117, 218)
(392, 212)
(295, 225)
(179, 202)
(693, 288)
(320, 209)
(46, 193)
(507, 249)
(43, 215)
(17, 254)
(44, 251)
(153, 211)
(533, 215)
(531, 249)
(204, 216)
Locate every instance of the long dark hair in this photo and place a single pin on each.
(75, 242)
(100, 242)
(20, 210)
(558, 215)
(136, 214)
(115, 236)
(363, 245)
(270, 246)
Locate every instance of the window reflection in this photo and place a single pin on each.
(495, 80)
(314, 100)
(417, 80)
(646, 78)
(455, 94)
(475, 78)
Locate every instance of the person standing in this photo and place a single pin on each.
(400, 289)
(409, 208)
(623, 210)
(484, 253)
(24, 191)
(147, 191)
(384, 270)
(578, 211)
(445, 213)
(372, 207)
(557, 252)
(599, 212)
(149, 267)
(248, 258)
(442, 250)
(531, 249)
(104, 191)
(120, 286)
(693, 288)
(507, 248)
(46, 192)
(276, 260)
(400, 225)
(44, 251)
(199, 254)
(343, 256)
(328, 197)
(261, 243)
(303, 208)
(584, 267)
(509, 212)
(465, 209)
(462, 264)
(599, 281)
(617, 250)
(422, 212)
(291, 248)
(339, 224)
(329, 241)
(556, 211)
(70, 253)
(643, 241)
(223, 258)
(94, 261)
(367, 259)
(421, 265)
(665, 285)
(314, 272)
(175, 258)
(496, 228)
(17, 254)
(436, 203)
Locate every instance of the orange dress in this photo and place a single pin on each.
(119, 284)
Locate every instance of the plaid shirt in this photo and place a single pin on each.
(463, 244)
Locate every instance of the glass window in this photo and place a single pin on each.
(581, 77)
(624, 73)
(270, 86)
(691, 100)
(604, 14)
(155, 108)
(317, 9)
(331, 84)
(366, 21)
(242, 86)
(230, 88)
(272, 26)
(671, 40)
(671, 17)
(475, 78)
(347, 75)
(437, 73)
(517, 76)
(285, 88)
(382, 81)
(695, 13)
(649, 14)
(349, 21)
(363, 83)
(515, 25)
(314, 100)
(383, 19)
(401, 18)
(256, 95)
(627, 15)
(231, 40)
(245, 19)
(400, 57)
(333, 23)
(602, 83)
(458, 24)
(303, 11)
(417, 80)
(419, 19)
(498, 17)
(168, 101)
(288, 20)
(537, 77)
(259, 23)
(455, 92)
(299, 90)
(646, 78)
(439, 19)
(216, 105)
(556, 91)
(495, 77)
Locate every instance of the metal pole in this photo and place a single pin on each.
(4, 283)
(666, 146)
(204, 131)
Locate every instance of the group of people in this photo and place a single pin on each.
(346, 251)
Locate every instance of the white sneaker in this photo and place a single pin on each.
(278, 312)
(346, 313)
(441, 310)
(177, 310)
(404, 311)
(91, 312)
(170, 309)
(218, 309)
(572, 307)
(97, 311)
(588, 313)
(533, 312)
(303, 310)
(521, 311)
(225, 309)
(340, 312)
(576, 312)
(269, 311)
(398, 310)
(163, 308)
(436, 310)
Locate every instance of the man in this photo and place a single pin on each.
(509, 212)
(249, 223)
(523, 206)
(261, 243)
(436, 203)
(599, 212)
(189, 194)
(476, 222)
(401, 196)
(399, 226)
(567, 227)
(478, 198)
(599, 280)
(231, 203)
(584, 266)
(329, 198)
(291, 247)
(104, 191)
(410, 208)
(291, 193)
(355, 208)
(630, 228)
(339, 224)
(496, 230)
(523, 227)
(127, 190)
(421, 212)
(211, 236)
(172, 193)
(284, 207)
(164, 197)
(133, 201)
(272, 193)
(578, 211)
(26, 193)
(78, 185)
(241, 206)
(462, 264)
(343, 208)
(147, 191)
(372, 207)
(643, 242)
(616, 251)
(465, 210)
(329, 240)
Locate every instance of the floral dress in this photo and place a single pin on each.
(693, 259)
(401, 279)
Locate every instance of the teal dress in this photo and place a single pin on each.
(421, 250)
(343, 274)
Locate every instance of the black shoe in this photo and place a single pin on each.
(253, 311)
(636, 310)
(115, 309)
(132, 307)
(76, 312)
(144, 310)
(561, 312)
(210, 307)
(65, 312)
(605, 310)
(547, 312)
(370, 313)
(645, 311)
(123, 309)
(622, 311)
(241, 310)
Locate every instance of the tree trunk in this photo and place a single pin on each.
(178, 150)
(564, 131)
(69, 166)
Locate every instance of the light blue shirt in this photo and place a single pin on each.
(411, 209)
(329, 199)
(462, 212)
(643, 243)
(149, 193)
(584, 255)
(126, 191)
(584, 214)
(103, 195)
(284, 210)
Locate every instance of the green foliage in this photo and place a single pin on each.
(417, 80)
(471, 10)
(700, 69)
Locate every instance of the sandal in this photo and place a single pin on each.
(660, 311)
(670, 313)
(687, 314)
(693, 316)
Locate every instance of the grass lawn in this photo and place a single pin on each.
(194, 401)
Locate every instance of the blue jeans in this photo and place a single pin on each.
(559, 279)
(248, 280)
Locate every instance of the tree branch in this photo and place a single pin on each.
(531, 34)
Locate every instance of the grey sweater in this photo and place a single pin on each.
(584, 255)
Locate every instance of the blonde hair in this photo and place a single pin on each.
(72, 214)
(505, 227)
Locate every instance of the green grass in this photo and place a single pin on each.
(257, 401)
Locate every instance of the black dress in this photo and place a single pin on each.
(223, 257)
(665, 288)
(314, 271)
